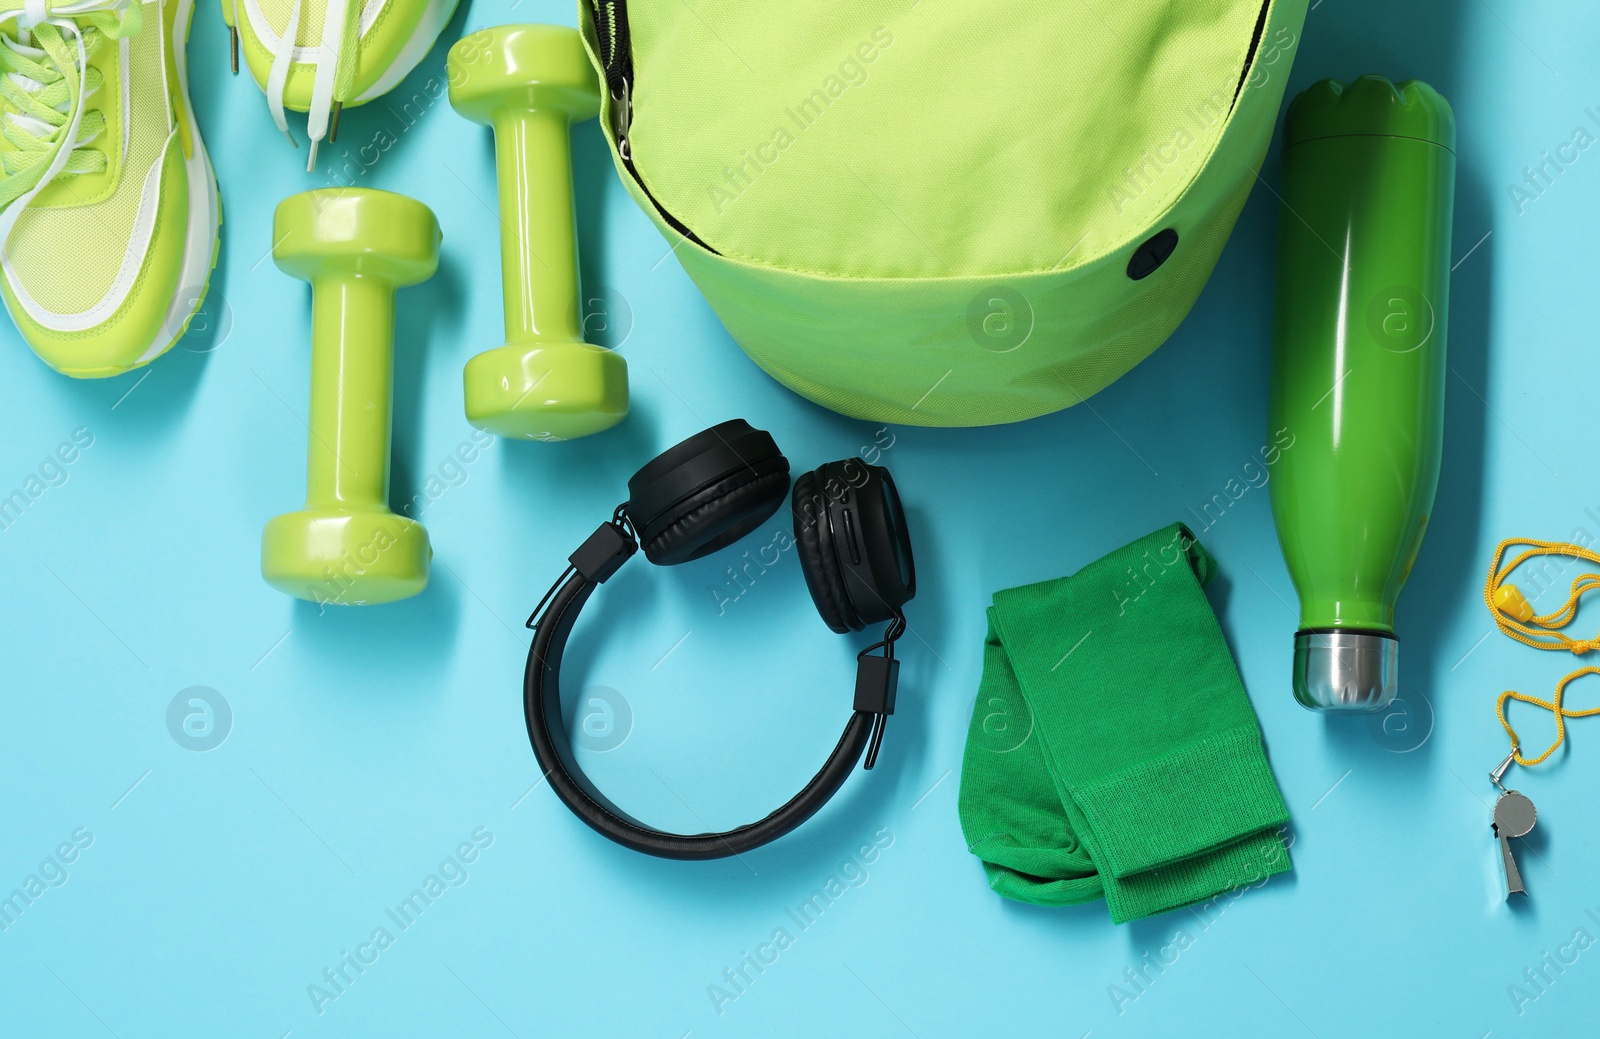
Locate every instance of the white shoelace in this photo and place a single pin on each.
(57, 142)
(330, 60)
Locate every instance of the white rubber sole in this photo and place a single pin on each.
(434, 19)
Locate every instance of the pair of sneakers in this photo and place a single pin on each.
(109, 209)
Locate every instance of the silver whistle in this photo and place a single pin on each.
(1514, 816)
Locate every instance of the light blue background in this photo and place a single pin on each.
(368, 743)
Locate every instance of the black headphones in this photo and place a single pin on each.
(700, 496)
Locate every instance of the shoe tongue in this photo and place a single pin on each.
(312, 13)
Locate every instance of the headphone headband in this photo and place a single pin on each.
(547, 733)
(691, 500)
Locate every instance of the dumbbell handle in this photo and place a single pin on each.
(538, 232)
(352, 383)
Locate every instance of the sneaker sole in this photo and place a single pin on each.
(205, 210)
(435, 17)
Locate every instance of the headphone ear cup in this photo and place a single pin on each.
(821, 569)
(717, 516)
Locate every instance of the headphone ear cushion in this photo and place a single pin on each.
(817, 562)
(718, 515)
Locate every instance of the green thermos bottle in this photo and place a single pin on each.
(1359, 370)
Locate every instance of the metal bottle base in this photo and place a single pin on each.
(1346, 670)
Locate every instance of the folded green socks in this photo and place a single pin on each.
(1112, 749)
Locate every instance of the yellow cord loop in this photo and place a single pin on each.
(1514, 615)
(1554, 705)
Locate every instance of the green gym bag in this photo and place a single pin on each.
(943, 214)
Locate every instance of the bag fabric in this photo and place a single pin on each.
(943, 214)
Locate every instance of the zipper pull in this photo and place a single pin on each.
(622, 117)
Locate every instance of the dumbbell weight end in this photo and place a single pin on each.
(345, 556)
(547, 391)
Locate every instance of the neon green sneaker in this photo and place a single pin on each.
(108, 205)
(343, 53)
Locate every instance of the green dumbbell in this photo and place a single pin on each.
(531, 83)
(355, 247)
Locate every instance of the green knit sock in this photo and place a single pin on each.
(1112, 749)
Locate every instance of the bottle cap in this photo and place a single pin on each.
(1371, 106)
(1346, 670)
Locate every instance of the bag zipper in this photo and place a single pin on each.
(616, 55)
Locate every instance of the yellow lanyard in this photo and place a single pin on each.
(1514, 616)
